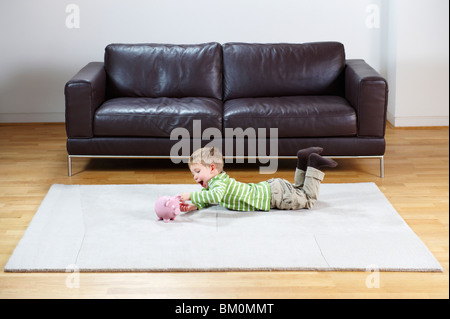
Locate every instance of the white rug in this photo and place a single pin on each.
(114, 228)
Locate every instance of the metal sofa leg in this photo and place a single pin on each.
(69, 165)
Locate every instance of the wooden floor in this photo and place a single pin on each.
(33, 157)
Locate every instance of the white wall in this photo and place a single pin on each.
(40, 51)
(417, 54)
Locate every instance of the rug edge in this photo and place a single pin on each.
(111, 271)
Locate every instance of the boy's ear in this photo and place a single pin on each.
(213, 167)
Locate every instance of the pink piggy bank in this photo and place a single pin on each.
(167, 207)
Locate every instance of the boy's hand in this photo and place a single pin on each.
(185, 196)
(184, 207)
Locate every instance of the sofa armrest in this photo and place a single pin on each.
(367, 91)
(84, 93)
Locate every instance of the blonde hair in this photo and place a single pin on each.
(207, 156)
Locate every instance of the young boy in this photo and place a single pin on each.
(206, 164)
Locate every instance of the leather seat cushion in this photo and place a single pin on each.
(155, 117)
(294, 116)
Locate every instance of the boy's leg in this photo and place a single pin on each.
(299, 178)
(285, 196)
(314, 176)
(288, 196)
(302, 164)
(311, 187)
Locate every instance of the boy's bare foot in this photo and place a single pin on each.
(318, 162)
(303, 156)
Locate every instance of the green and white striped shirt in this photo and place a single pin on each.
(233, 195)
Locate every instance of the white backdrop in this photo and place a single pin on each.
(44, 43)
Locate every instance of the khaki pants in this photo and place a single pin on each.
(302, 194)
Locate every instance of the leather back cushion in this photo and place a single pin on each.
(164, 70)
(265, 70)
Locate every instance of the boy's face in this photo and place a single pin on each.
(202, 174)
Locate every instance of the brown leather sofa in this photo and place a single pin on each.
(128, 105)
